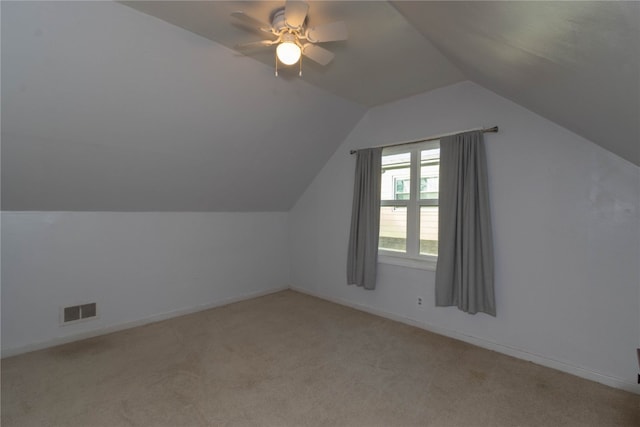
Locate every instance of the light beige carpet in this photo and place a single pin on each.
(288, 359)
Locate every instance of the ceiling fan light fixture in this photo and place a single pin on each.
(288, 52)
(288, 30)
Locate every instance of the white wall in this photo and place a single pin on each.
(105, 108)
(566, 228)
(138, 267)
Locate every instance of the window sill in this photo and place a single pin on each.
(418, 263)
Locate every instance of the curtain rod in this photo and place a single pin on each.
(432, 138)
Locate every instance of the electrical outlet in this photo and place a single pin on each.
(420, 301)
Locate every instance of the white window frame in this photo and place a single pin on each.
(412, 258)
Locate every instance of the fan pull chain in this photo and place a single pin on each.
(276, 56)
(300, 73)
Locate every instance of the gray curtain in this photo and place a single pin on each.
(464, 272)
(362, 258)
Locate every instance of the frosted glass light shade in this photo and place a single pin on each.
(288, 53)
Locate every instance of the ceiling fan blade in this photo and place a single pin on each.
(295, 12)
(251, 21)
(318, 54)
(332, 32)
(252, 45)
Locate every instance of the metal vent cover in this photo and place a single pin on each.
(76, 313)
(71, 314)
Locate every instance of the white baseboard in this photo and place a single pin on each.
(480, 342)
(8, 352)
(490, 345)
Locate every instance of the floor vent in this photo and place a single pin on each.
(78, 312)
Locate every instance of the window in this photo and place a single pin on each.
(409, 201)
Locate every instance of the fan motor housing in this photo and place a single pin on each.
(278, 21)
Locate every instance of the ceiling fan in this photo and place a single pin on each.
(289, 31)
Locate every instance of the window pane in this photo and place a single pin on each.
(395, 176)
(393, 228)
(429, 230)
(429, 169)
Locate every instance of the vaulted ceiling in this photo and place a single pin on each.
(384, 59)
(575, 63)
(108, 108)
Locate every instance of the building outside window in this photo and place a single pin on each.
(409, 201)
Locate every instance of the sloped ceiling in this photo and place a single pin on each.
(108, 108)
(575, 63)
(383, 60)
